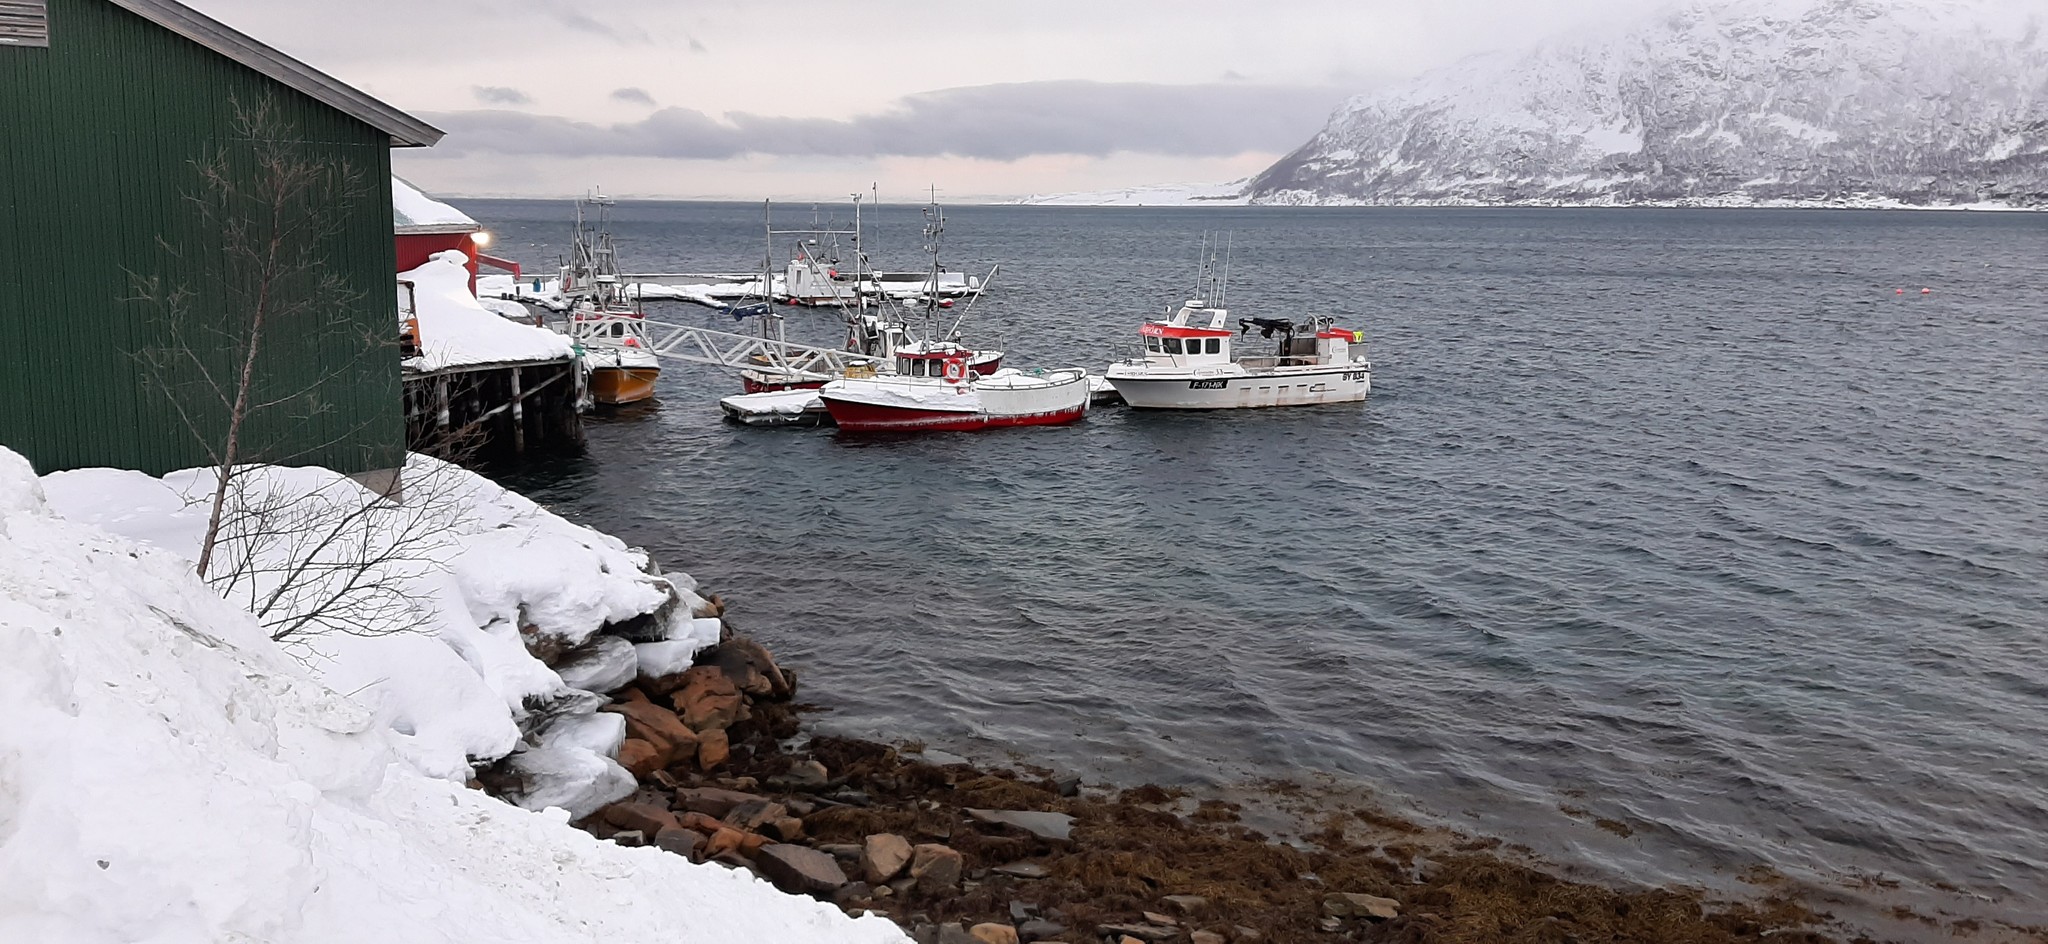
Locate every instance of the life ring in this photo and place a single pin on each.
(956, 369)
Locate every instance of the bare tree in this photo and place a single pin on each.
(306, 551)
(268, 210)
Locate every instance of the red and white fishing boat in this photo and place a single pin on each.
(1187, 363)
(934, 389)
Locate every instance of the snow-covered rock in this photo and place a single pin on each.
(1823, 102)
(168, 773)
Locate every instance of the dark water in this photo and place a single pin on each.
(1682, 518)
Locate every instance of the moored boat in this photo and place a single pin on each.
(933, 389)
(1188, 364)
(607, 326)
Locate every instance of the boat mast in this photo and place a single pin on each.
(935, 225)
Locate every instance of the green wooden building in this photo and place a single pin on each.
(109, 111)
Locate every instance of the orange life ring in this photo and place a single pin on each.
(956, 369)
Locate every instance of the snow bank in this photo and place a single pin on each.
(169, 774)
(486, 579)
(456, 331)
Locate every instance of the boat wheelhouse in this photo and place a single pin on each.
(1188, 362)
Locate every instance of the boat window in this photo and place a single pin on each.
(1173, 345)
(1152, 344)
(618, 329)
(1215, 345)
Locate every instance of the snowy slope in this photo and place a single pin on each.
(167, 774)
(1230, 194)
(1870, 102)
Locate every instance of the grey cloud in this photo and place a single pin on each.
(635, 96)
(696, 46)
(500, 95)
(997, 122)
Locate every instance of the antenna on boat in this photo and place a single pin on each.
(1223, 291)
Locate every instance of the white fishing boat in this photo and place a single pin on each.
(933, 390)
(939, 384)
(1188, 362)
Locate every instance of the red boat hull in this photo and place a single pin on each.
(869, 418)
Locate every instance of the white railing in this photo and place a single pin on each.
(723, 348)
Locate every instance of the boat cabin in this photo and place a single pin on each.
(1175, 343)
(947, 362)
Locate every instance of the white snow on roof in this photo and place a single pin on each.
(457, 331)
(412, 211)
(272, 808)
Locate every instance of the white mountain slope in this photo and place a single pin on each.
(1876, 102)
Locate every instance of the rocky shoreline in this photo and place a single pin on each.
(960, 854)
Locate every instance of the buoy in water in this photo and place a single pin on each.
(1899, 291)
(1926, 291)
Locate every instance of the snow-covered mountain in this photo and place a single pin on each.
(1873, 102)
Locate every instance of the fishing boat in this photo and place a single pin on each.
(873, 330)
(932, 389)
(606, 324)
(936, 384)
(1188, 364)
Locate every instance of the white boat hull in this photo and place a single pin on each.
(1160, 390)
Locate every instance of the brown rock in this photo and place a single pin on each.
(1186, 904)
(755, 814)
(1160, 919)
(786, 829)
(712, 800)
(993, 933)
(1207, 937)
(723, 841)
(751, 843)
(630, 837)
(751, 668)
(682, 842)
(883, 857)
(713, 750)
(935, 868)
(645, 817)
(1353, 904)
(800, 870)
(640, 758)
(1142, 932)
(707, 700)
(701, 822)
(658, 726)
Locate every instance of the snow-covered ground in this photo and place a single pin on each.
(169, 773)
(458, 331)
(1230, 194)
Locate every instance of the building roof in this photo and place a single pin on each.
(404, 129)
(412, 211)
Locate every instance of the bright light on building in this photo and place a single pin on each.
(481, 238)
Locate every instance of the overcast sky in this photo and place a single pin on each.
(807, 99)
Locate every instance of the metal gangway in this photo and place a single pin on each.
(767, 351)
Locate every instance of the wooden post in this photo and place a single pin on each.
(518, 417)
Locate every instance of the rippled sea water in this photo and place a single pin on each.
(1685, 519)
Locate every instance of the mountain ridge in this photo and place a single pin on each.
(1928, 103)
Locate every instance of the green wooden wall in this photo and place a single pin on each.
(99, 135)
